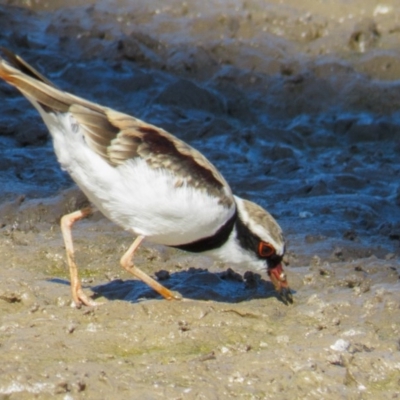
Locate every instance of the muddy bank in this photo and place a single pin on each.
(297, 105)
(340, 339)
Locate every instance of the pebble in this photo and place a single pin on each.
(340, 345)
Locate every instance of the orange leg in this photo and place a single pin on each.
(126, 262)
(67, 221)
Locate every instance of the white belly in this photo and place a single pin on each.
(140, 199)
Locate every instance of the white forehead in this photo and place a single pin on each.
(261, 223)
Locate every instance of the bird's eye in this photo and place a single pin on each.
(265, 249)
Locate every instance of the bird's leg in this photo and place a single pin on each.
(78, 296)
(127, 263)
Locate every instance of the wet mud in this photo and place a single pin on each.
(298, 107)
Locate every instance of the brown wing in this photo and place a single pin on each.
(119, 137)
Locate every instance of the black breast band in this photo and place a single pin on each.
(211, 242)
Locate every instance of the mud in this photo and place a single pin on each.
(298, 106)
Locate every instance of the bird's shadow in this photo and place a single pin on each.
(194, 283)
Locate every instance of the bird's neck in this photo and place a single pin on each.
(218, 239)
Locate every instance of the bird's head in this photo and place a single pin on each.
(261, 241)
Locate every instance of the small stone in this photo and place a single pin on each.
(80, 386)
(10, 297)
(340, 345)
(34, 308)
(224, 350)
(335, 359)
(27, 298)
(62, 387)
(184, 326)
(324, 272)
(71, 328)
(365, 286)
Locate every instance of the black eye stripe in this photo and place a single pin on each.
(251, 242)
(247, 239)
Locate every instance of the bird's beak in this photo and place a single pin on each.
(278, 278)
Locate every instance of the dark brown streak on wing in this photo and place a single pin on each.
(163, 151)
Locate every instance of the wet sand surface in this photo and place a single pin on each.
(298, 106)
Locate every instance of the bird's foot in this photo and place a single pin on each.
(80, 299)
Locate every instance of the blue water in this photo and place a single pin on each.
(322, 157)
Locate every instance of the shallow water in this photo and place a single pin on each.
(298, 106)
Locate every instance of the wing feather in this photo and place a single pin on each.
(118, 137)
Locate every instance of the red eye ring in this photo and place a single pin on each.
(265, 249)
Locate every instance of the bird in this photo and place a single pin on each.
(150, 183)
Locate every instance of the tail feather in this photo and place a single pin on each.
(35, 87)
(48, 99)
(21, 65)
(32, 84)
